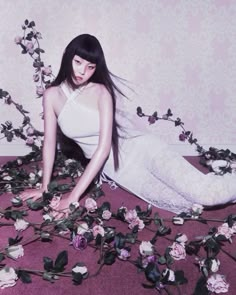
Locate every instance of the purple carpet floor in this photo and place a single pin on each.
(121, 278)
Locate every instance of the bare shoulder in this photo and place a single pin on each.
(51, 94)
(103, 94)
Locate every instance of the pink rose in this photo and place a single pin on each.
(130, 215)
(30, 131)
(8, 277)
(47, 70)
(177, 251)
(18, 39)
(29, 141)
(217, 284)
(90, 204)
(137, 221)
(106, 214)
(39, 90)
(21, 224)
(225, 230)
(30, 47)
(124, 254)
(98, 229)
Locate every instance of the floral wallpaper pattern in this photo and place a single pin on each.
(173, 53)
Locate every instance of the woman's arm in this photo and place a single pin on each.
(104, 146)
(49, 146)
(50, 128)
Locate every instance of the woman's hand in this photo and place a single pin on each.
(61, 207)
(35, 194)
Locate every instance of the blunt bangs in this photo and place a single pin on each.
(92, 56)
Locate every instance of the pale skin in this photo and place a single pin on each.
(94, 96)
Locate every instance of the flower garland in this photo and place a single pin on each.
(218, 161)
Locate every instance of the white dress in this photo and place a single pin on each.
(147, 167)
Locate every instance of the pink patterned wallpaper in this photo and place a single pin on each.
(174, 53)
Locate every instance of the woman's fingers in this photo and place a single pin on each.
(30, 195)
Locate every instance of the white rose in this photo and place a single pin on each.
(146, 248)
(7, 187)
(68, 161)
(21, 224)
(80, 269)
(32, 176)
(197, 208)
(106, 214)
(15, 251)
(40, 173)
(178, 220)
(82, 228)
(171, 277)
(47, 217)
(215, 264)
(8, 277)
(7, 178)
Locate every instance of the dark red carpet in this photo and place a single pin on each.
(121, 278)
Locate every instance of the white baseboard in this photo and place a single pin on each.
(12, 149)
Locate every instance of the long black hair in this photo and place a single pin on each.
(89, 48)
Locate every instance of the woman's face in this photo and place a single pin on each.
(83, 70)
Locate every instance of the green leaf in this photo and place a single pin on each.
(180, 278)
(35, 206)
(24, 276)
(109, 257)
(201, 288)
(152, 273)
(61, 261)
(77, 278)
(2, 257)
(162, 260)
(48, 263)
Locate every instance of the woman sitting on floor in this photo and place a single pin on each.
(82, 101)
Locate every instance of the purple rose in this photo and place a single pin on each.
(152, 119)
(79, 242)
(124, 254)
(182, 137)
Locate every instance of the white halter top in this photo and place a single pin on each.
(79, 122)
